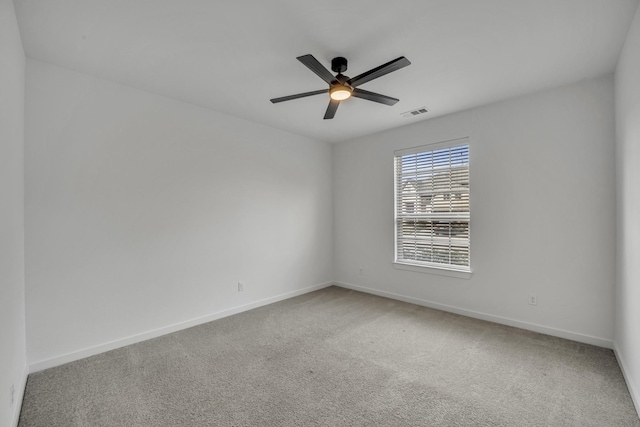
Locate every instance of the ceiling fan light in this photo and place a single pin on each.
(340, 92)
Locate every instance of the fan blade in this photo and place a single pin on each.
(300, 95)
(375, 97)
(380, 71)
(331, 109)
(315, 66)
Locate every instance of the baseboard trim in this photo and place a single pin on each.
(20, 397)
(112, 345)
(633, 390)
(587, 339)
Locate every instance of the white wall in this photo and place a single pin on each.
(12, 317)
(143, 212)
(627, 337)
(542, 220)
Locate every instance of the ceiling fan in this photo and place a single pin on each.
(342, 87)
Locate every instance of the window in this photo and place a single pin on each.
(432, 213)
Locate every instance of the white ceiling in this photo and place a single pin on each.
(234, 55)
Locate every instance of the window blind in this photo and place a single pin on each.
(432, 209)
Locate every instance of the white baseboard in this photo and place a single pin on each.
(112, 345)
(20, 397)
(587, 339)
(633, 390)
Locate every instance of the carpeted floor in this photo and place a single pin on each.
(336, 357)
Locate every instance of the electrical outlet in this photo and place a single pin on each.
(240, 286)
(361, 272)
(533, 300)
(12, 393)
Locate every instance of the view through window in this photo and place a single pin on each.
(432, 205)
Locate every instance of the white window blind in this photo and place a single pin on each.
(432, 212)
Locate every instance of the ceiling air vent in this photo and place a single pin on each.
(415, 112)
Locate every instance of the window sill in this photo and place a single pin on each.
(433, 270)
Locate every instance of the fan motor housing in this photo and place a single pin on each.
(339, 64)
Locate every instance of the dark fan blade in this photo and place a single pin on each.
(331, 109)
(375, 97)
(313, 64)
(300, 95)
(380, 71)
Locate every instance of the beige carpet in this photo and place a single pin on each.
(337, 358)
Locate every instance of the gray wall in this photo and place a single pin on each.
(12, 318)
(542, 212)
(628, 210)
(143, 213)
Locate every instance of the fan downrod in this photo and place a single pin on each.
(339, 64)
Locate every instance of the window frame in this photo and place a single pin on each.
(451, 270)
